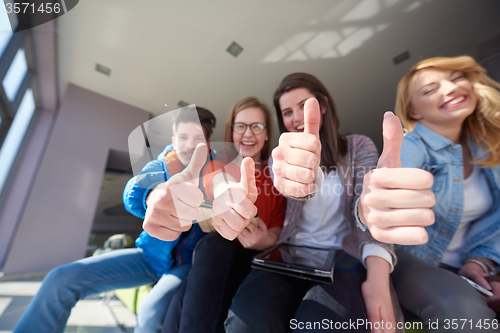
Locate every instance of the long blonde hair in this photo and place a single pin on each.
(483, 125)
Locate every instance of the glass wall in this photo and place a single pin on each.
(17, 100)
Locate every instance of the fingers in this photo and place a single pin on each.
(393, 139)
(292, 188)
(385, 200)
(223, 229)
(156, 227)
(401, 178)
(481, 280)
(298, 155)
(234, 198)
(312, 117)
(248, 178)
(475, 272)
(295, 173)
(401, 217)
(192, 171)
(229, 224)
(291, 143)
(404, 235)
(187, 194)
(261, 225)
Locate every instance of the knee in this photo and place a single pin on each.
(234, 323)
(212, 239)
(460, 304)
(64, 274)
(148, 324)
(241, 323)
(213, 243)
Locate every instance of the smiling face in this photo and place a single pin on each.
(292, 108)
(187, 136)
(250, 144)
(441, 99)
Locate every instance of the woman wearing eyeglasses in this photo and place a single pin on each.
(220, 265)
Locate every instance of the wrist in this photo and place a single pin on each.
(357, 208)
(377, 269)
(486, 265)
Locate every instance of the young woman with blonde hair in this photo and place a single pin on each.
(451, 109)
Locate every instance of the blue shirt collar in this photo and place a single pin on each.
(431, 138)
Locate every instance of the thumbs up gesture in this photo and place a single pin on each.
(395, 202)
(233, 209)
(297, 157)
(174, 205)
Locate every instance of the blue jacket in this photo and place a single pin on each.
(422, 148)
(162, 255)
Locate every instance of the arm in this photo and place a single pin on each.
(138, 188)
(235, 206)
(365, 156)
(395, 202)
(376, 292)
(258, 237)
(481, 262)
(172, 207)
(297, 157)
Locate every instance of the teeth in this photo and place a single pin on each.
(247, 143)
(300, 127)
(455, 101)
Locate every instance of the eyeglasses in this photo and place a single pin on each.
(256, 128)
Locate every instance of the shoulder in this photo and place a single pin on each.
(360, 143)
(165, 151)
(361, 148)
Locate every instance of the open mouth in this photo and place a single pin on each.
(248, 144)
(454, 102)
(187, 154)
(300, 128)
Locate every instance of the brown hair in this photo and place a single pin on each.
(203, 116)
(334, 145)
(483, 125)
(240, 106)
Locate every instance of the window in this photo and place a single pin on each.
(5, 28)
(15, 75)
(17, 99)
(16, 134)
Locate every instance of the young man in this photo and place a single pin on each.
(162, 185)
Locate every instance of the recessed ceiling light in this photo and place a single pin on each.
(182, 104)
(103, 69)
(234, 49)
(401, 57)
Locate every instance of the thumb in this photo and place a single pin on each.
(312, 117)
(198, 159)
(262, 225)
(248, 178)
(392, 133)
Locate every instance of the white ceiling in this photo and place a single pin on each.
(163, 51)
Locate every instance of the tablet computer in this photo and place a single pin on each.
(304, 262)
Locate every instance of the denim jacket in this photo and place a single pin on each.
(424, 149)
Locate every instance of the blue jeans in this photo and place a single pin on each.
(439, 296)
(201, 302)
(154, 307)
(65, 285)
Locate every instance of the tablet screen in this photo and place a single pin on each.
(314, 258)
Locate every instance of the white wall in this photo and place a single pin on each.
(58, 217)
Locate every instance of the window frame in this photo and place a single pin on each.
(8, 109)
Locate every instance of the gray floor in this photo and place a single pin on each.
(100, 314)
